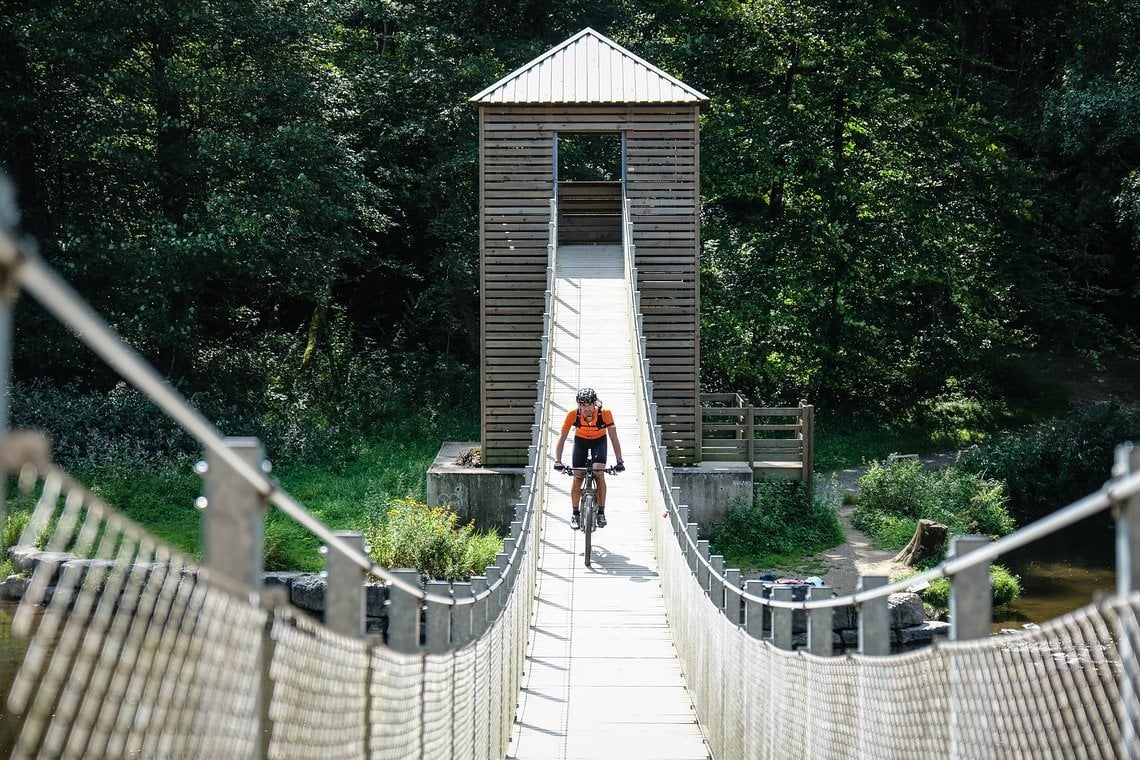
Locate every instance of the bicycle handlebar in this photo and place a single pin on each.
(567, 470)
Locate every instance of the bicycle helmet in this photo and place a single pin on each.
(587, 396)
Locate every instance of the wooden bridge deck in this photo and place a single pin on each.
(602, 679)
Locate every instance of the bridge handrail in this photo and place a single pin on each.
(1125, 486)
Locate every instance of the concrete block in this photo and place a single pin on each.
(282, 580)
(925, 632)
(710, 488)
(483, 495)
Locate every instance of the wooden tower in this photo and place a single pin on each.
(588, 85)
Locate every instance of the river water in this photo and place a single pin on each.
(1061, 573)
(12, 651)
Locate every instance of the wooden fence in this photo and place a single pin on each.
(778, 442)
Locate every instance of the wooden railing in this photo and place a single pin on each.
(776, 441)
(589, 212)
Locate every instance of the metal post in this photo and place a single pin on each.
(234, 524)
(1127, 523)
(820, 623)
(716, 583)
(438, 628)
(732, 598)
(1127, 514)
(703, 574)
(971, 600)
(782, 618)
(754, 611)
(344, 600)
(461, 615)
(495, 600)
(874, 618)
(404, 614)
(690, 546)
(480, 620)
(233, 529)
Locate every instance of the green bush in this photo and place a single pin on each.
(895, 495)
(411, 534)
(1004, 586)
(895, 487)
(780, 522)
(1050, 465)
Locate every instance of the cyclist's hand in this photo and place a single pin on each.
(558, 466)
(620, 466)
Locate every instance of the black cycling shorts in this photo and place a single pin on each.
(598, 446)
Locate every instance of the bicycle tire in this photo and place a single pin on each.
(587, 513)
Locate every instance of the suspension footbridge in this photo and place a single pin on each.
(656, 650)
(653, 651)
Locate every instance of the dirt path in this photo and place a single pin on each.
(841, 567)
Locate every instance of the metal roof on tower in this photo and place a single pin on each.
(588, 68)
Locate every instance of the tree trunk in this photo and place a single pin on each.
(926, 542)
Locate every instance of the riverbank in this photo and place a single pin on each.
(840, 567)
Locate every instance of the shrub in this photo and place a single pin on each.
(895, 495)
(1050, 465)
(1005, 588)
(412, 534)
(781, 520)
(896, 487)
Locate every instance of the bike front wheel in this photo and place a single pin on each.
(587, 513)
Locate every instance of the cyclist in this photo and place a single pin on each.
(593, 422)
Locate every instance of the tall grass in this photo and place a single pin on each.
(138, 461)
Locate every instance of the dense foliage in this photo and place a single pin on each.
(1046, 466)
(275, 201)
(894, 495)
(412, 534)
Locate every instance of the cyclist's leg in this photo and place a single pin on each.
(578, 462)
(601, 450)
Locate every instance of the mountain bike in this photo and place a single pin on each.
(588, 502)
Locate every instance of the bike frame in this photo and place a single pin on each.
(588, 502)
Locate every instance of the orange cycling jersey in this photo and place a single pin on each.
(588, 430)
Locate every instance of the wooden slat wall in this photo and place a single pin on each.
(662, 183)
(516, 184)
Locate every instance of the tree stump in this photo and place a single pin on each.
(926, 542)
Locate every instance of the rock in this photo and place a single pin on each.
(308, 593)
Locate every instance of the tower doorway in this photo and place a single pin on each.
(590, 170)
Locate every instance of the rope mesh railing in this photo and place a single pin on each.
(136, 651)
(1067, 689)
(1059, 691)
